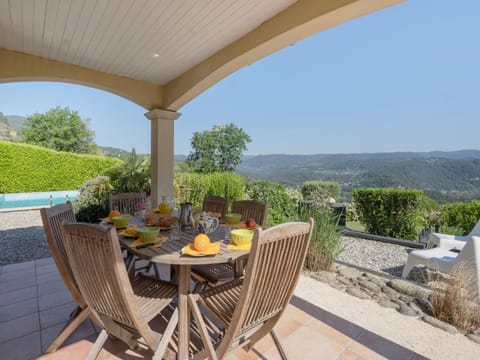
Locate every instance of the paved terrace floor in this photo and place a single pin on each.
(35, 305)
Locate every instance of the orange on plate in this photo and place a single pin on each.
(113, 213)
(201, 242)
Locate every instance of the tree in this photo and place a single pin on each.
(217, 150)
(59, 129)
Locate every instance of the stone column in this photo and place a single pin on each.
(162, 139)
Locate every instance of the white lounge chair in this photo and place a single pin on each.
(447, 241)
(445, 261)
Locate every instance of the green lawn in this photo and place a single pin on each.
(356, 226)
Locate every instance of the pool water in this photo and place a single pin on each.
(24, 200)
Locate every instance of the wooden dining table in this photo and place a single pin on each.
(170, 253)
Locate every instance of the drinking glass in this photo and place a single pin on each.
(175, 233)
(231, 220)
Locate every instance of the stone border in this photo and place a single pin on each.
(386, 239)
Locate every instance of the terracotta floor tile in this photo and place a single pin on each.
(19, 327)
(356, 349)
(76, 351)
(23, 348)
(56, 315)
(49, 334)
(18, 309)
(18, 295)
(348, 354)
(381, 346)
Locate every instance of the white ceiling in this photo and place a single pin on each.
(151, 40)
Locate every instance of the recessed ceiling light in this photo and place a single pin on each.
(155, 55)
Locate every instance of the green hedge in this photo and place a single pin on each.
(390, 212)
(461, 216)
(29, 168)
(320, 191)
(193, 187)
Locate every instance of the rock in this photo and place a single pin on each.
(408, 288)
(344, 280)
(349, 273)
(357, 293)
(405, 309)
(376, 280)
(439, 324)
(389, 291)
(474, 337)
(325, 276)
(387, 303)
(405, 298)
(414, 306)
(369, 285)
(425, 305)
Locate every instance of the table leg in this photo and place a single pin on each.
(183, 311)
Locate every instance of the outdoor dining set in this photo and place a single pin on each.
(219, 297)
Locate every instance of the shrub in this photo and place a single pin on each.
(193, 187)
(461, 217)
(325, 244)
(457, 303)
(282, 204)
(26, 168)
(132, 176)
(389, 212)
(320, 191)
(91, 203)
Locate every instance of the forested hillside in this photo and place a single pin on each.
(445, 176)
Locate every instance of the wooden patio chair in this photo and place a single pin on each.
(248, 308)
(53, 218)
(211, 275)
(126, 203)
(124, 308)
(215, 204)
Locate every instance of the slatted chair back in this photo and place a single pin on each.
(126, 203)
(274, 266)
(216, 204)
(53, 219)
(96, 260)
(251, 209)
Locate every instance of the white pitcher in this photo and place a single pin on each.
(206, 223)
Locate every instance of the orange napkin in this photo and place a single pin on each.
(107, 219)
(212, 250)
(160, 240)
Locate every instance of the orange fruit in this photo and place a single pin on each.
(201, 242)
(113, 213)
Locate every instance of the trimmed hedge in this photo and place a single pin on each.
(29, 168)
(193, 187)
(461, 216)
(320, 191)
(390, 212)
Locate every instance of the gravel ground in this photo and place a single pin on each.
(374, 255)
(22, 239)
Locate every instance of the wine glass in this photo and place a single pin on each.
(231, 220)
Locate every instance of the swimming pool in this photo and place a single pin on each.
(24, 200)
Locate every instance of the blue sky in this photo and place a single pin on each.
(403, 79)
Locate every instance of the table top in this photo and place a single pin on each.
(170, 251)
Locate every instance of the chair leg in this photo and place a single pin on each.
(76, 319)
(202, 327)
(162, 346)
(279, 345)
(97, 347)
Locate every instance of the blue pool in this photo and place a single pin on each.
(24, 200)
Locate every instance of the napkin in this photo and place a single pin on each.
(160, 240)
(239, 247)
(213, 249)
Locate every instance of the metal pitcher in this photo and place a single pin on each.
(186, 215)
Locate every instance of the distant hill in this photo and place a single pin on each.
(16, 121)
(445, 176)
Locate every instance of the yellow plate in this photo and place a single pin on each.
(212, 250)
(239, 247)
(159, 241)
